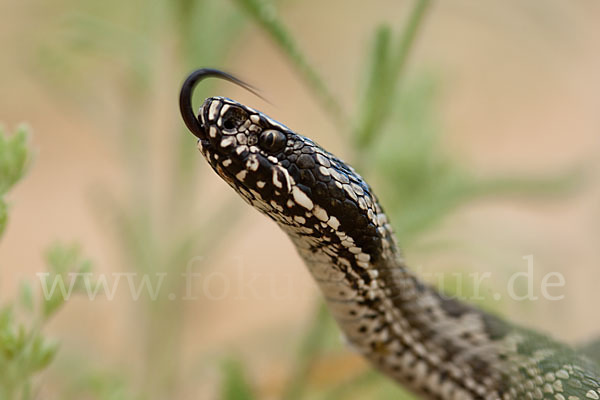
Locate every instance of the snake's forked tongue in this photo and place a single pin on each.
(185, 96)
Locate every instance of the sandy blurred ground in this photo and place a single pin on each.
(520, 93)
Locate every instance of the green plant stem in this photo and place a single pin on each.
(409, 34)
(264, 13)
(378, 89)
(384, 79)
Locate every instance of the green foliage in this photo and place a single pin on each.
(235, 385)
(386, 71)
(265, 14)
(14, 159)
(24, 351)
(3, 215)
(65, 262)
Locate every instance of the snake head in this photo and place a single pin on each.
(283, 174)
(308, 191)
(247, 149)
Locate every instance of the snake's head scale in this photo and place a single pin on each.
(281, 173)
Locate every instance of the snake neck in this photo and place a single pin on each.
(408, 330)
(435, 345)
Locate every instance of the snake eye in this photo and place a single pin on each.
(272, 140)
(233, 118)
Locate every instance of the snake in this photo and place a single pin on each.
(432, 344)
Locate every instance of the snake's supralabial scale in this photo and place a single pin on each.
(437, 347)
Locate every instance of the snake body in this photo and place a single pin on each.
(436, 346)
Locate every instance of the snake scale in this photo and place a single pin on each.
(440, 348)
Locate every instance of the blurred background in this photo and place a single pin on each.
(476, 122)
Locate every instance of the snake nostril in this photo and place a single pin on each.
(228, 124)
(233, 118)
